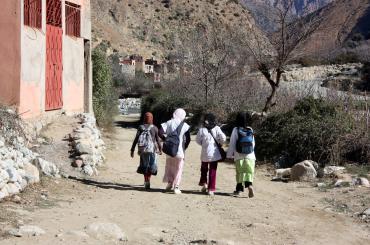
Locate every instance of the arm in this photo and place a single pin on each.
(199, 137)
(232, 146)
(187, 139)
(157, 139)
(161, 134)
(135, 142)
(221, 137)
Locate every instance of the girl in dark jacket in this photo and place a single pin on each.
(148, 143)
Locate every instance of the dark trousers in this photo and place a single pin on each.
(209, 168)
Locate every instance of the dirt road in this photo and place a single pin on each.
(280, 213)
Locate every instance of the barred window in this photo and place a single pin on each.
(32, 13)
(73, 19)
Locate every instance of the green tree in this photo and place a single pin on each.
(104, 99)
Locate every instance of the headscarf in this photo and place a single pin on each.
(148, 118)
(243, 119)
(209, 121)
(179, 114)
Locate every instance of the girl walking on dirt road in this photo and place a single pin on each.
(211, 138)
(241, 149)
(176, 136)
(148, 142)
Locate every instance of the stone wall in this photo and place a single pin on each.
(19, 165)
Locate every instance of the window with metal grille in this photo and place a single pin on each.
(32, 13)
(54, 13)
(73, 19)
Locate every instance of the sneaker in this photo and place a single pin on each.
(236, 193)
(177, 190)
(250, 192)
(169, 187)
(211, 193)
(147, 185)
(204, 188)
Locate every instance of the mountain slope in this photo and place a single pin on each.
(263, 10)
(343, 21)
(149, 27)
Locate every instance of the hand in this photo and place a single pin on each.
(132, 154)
(229, 160)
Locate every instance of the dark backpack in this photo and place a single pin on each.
(172, 142)
(244, 144)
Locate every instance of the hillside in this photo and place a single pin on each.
(149, 27)
(343, 21)
(263, 10)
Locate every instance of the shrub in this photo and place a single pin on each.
(104, 99)
(162, 104)
(366, 76)
(314, 129)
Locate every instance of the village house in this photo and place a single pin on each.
(45, 62)
(139, 62)
(128, 68)
(149, 65)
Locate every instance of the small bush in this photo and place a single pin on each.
(162, 104)
(314, 129)
(104, 99)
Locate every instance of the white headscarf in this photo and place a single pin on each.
(179, 114)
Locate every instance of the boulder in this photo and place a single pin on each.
(362, 182)
(13, 175)
(77, 163)
(106, 231)
(84, 147)
(47, 168)
(88, 170)
(32, 174)
(303, 171)
(12, 188)
(329, 170)
(3, 193)
(4, 178)
(27, 230)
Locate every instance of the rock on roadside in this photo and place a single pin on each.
(87, 145)
(27, 230)
(106, 231)
(304, 171)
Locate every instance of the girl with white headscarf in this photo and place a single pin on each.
(174, 165)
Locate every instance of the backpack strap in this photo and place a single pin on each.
(210, 132)
(178, 129)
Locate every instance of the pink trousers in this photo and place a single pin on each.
(173, 170)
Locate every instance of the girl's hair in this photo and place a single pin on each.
(243, 119)
(209, 121)
(148, 118)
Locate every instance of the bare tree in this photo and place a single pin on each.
(209, 62)
(271, 55)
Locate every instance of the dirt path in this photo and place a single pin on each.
(279, 214)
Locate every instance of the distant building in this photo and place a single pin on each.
(139, 62)
(128, 68)
(149, 65)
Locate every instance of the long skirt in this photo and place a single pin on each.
(173, 170)
(148, 164)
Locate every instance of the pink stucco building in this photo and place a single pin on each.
(45, 59)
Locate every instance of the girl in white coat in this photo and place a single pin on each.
(207, 137)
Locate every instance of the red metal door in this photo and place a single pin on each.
(54, 56)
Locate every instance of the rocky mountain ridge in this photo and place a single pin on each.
(345, 24)
(150, 28)
(263, 10)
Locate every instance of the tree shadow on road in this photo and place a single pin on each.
(125, 124)
(125, 187)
